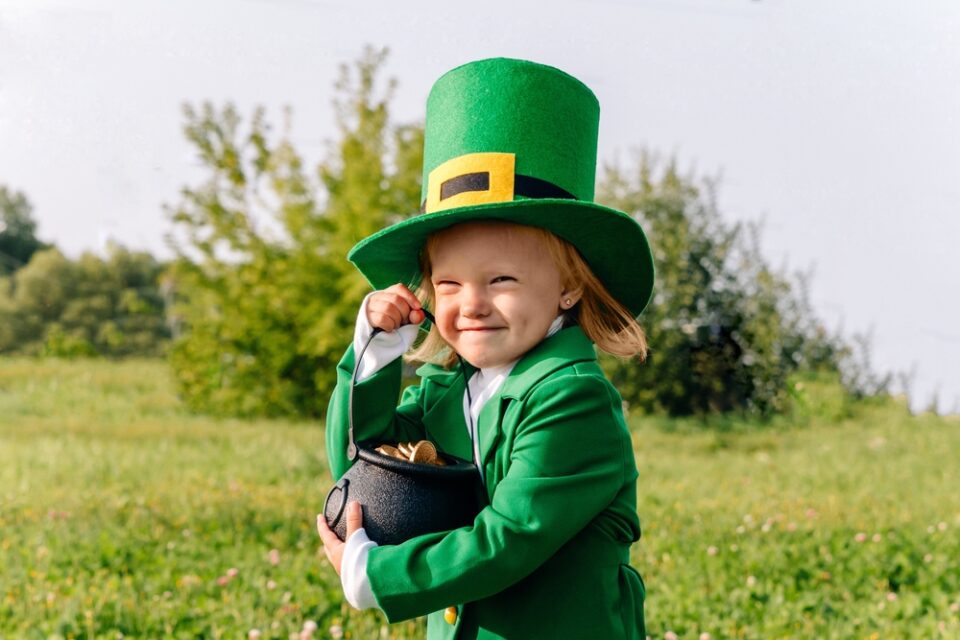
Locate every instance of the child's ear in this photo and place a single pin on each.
(570, 296)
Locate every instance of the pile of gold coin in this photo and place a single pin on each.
(422, 452)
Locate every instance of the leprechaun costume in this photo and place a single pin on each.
(548, 557)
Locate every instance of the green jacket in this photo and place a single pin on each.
(549, 556)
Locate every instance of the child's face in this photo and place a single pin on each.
(497, 290)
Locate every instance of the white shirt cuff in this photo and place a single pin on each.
(353, 571)
(385, 348)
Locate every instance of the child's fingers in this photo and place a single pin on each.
(404, 292)
(327, 534)
(387, 311)
(354, 518)
(394, 307)
(408, 303)
(332, 545)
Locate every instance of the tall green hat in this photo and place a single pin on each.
(515, 141)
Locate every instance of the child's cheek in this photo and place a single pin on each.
(445, 325)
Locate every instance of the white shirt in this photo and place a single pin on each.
(384, 349)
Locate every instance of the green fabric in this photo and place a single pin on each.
(548, 557)
(547, 118)
(549, 121)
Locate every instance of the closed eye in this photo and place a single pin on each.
(503, 279)
(445, 285)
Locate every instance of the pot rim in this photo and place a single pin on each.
(458, 468)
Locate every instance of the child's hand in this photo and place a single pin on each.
(394, 307)
(332, 545)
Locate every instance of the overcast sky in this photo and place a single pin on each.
(837, 122)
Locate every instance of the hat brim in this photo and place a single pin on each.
(612, 243)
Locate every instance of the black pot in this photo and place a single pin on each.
(402, 500)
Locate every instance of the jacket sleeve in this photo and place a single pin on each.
(376, 415)
(566, 466)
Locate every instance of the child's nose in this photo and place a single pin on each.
(474, 303)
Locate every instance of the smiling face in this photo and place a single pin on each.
(496, 290)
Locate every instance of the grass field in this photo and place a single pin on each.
(121, 515)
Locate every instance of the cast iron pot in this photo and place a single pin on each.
(401, 499)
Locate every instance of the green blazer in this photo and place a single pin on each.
(549, 556)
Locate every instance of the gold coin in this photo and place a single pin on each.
(423, 451)
(405, 449)
(450, 615)
(387, 450)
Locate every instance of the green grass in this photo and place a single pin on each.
(120, 513)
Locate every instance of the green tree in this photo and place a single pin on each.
(91, 306)
(264, 297)
(726, 330)
(18, 240)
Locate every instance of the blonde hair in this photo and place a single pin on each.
(608, 324)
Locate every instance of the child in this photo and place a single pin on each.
(525, 275)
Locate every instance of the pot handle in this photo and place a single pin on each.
(342, 485)
(352, 451)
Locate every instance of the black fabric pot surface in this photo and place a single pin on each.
(402, 500)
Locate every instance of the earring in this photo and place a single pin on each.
(567, 302)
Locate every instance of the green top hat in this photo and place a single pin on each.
(515, 141)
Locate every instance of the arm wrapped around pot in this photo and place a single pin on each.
(568, 481)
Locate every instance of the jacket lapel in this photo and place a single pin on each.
(443, 419)
(562, 349)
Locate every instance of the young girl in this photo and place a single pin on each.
(525, 276)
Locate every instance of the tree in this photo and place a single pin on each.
(91, 306)
(726, 330)
(18, 240)
(264, 296)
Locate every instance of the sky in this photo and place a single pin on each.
(836, 124)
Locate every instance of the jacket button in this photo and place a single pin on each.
(450, 615)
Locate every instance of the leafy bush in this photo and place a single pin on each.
(265, 298)
(726, 330)
(91, 306)
(18, 240)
